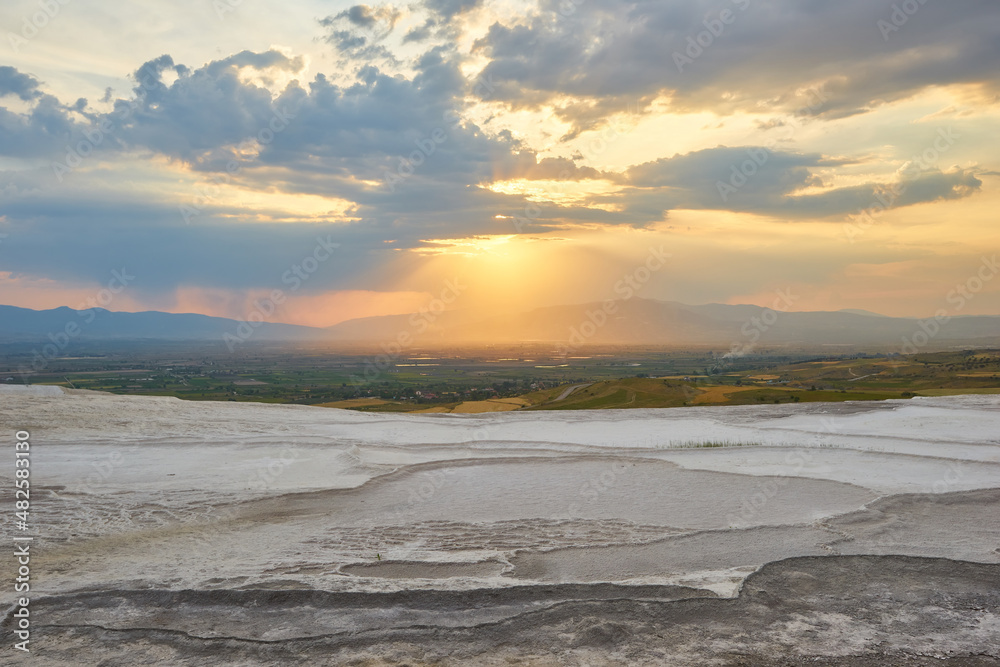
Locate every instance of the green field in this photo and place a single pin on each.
(429, 379)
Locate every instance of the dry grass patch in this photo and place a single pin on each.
(492, 405)
(714, 395)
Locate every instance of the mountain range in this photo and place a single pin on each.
(634, 322)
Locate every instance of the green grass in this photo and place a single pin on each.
(765, 396)
(621, 394)
(622, 378)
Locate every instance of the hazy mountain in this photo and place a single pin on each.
(23, 324)
(644, 321)
(636, 321)
(859, 311)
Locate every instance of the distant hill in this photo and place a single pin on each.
(24, 324)
(859, 311)
(646, 321)
(633, 322)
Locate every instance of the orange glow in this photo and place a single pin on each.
(314, 310)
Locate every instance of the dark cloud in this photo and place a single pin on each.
(45, 128)
(399, 151)
(771, 172)
(393, 146)
(770, 124)
(358, 15)
(357, 31)
(42, 132)
(450, 8)
(202, 109)
(13, 82)
(379, 127)
(420, 33)
(764, 181)
(813, 58)
(926, 187)
(441, 24)
(165, 256)
(368, 17)
(527, 165)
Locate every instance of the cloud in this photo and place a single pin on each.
(398, 147)
(96, 235)
(40, 131)
(421, 32)
(441, 22)
(379, 140)
(357, 31)
(369, 17)
(201, 109)
(13, 82)
(764, 181)
(930, 186)
(764, 58)
(448, 9)
(343, 142)
(526, 165)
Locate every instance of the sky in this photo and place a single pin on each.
(359, 160)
